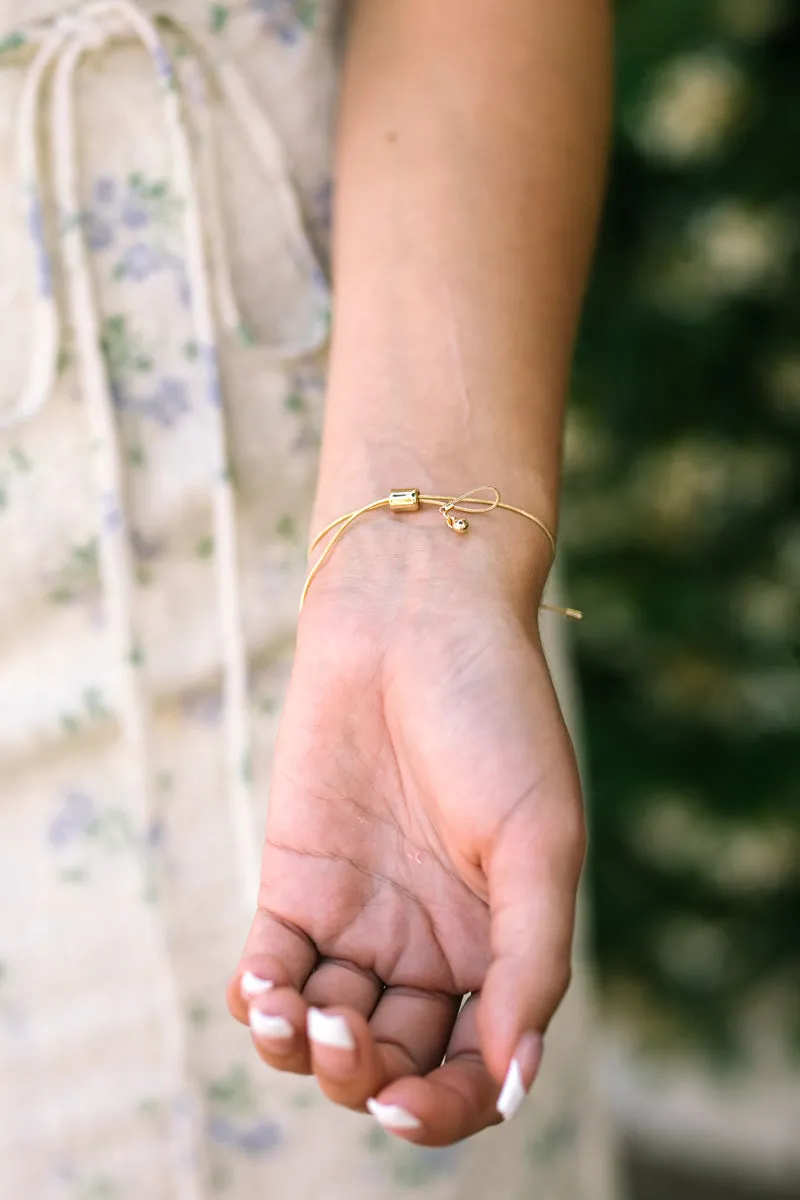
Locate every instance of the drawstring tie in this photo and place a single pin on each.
(60, 46)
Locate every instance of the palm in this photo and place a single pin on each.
(409, 770)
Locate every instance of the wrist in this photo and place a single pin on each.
(404, 560)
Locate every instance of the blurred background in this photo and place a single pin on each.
(682, 527)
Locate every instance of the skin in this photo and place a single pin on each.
(425, 833)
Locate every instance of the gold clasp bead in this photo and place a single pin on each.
(404, 500)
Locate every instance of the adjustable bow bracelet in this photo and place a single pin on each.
(408, 500)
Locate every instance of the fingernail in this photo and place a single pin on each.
(392, 1116)
(254, 985)
(520, 1076)
(265, 1026)
(328, 1030)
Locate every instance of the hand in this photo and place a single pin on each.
(424, 841)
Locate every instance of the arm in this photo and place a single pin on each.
(471, 161)
(425, 831)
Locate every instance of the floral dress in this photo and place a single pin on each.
(164, 311)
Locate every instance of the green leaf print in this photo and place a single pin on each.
(157, 198)
(123, 349)
(99, 1188)
(233, 1092)
(13, 464)
(74, 875)
(411, 1172)
(307, 13)
(136, 656)
(70, 724)
(19, 460)
(13, 41)
(114, 830)
(221, 1177)
(286, 528)
(150, 1107)
(551, 1141)
(77, 576)
(377, 1140)
(95, 704)
(165, 782)
(198, 1015)
(245, 334)
(218, 18)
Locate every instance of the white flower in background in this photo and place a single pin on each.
(741, 249)
(767, 611)
(694, 952)
(752, 20)
(587, 444)
(783, 385)
(691, 108)
(788, 553)
(675, 833)
(695, 485)
(728, 249)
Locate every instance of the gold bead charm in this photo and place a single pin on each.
(457, 524)
(404, 500)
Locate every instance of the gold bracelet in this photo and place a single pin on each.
(406, 500)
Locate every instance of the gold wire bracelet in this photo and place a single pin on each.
(406, 500)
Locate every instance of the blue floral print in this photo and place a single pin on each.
(210, 359)
(73, 819)
(146, 209)
(258, 1138)
(283, 18)
(234, 1121)
(164, 67)
(36, 230)
(129, 360)
(81, 824)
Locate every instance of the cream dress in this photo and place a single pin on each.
(164, 195)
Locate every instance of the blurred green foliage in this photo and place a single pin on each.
(682, 513)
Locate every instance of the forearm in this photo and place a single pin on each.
(471, 161)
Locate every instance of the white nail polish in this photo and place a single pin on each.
(392, 1116)
(254, 985)
(329, 1030)
(264, 1025)
(512, 1093)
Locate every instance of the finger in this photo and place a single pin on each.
(276, 954)
(354, 1059)
(278, 1028)
(533, 878)
(452, 1102)
(336, 982)
(412, 1028)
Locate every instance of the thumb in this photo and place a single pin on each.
(533, 877)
